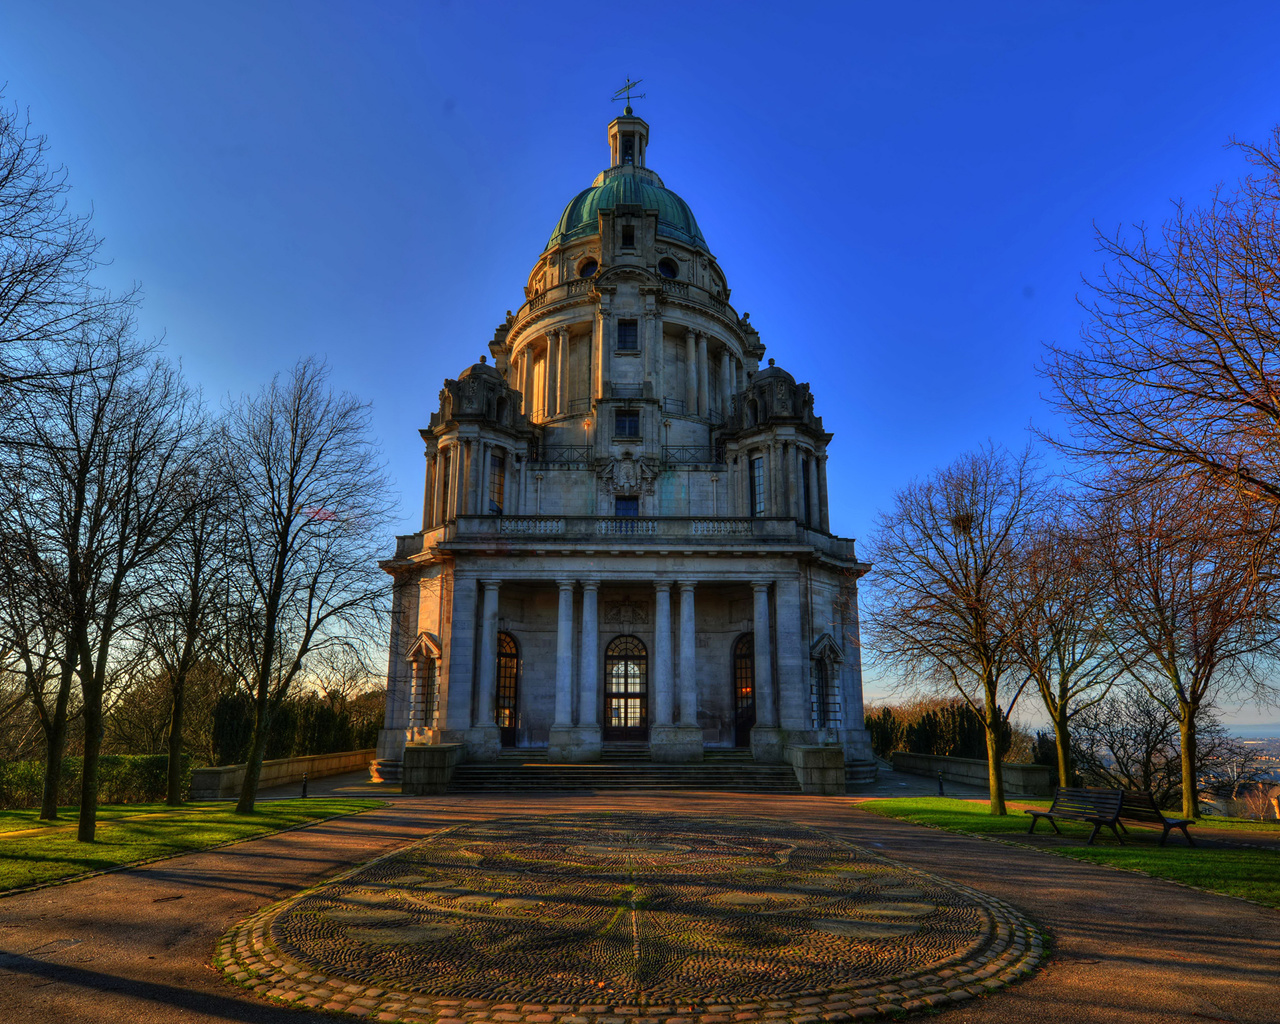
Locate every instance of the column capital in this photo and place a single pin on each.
(686, 585)
(661, 585)
(590, 584)
(490, 584)
(758, 587)
(566, 584)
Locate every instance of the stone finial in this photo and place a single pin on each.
(485, 359)
(770, 362)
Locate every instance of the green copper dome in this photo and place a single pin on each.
(675, 219)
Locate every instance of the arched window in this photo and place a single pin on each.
(744, 688)
(507, 704)
(626, 689)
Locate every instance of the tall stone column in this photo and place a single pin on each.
(766, 739)
(562, 372)
(661, 714)
(562, 744)
(588, 742)
(814, 516)
(690, 374)
(482, 485)
(704, 391)
(437, 491)
(726, 385)
(667, 740)
(551, 374)
(688, 657)
(484, 729)
(790, 453)
(528, 382)
(771, 488)
(428, 489)
(466, 486)
(824, 521)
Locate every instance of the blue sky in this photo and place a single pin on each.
(902, 196)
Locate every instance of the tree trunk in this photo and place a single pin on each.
(173, 796)
(992, 720)
(1062, 737)
(253, 769)
(88, 822)
(1187, 738)
(55, 746)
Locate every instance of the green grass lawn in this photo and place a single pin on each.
(135, 832)
(1253, 874)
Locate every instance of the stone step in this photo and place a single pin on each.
(860, 773)
(514, 773)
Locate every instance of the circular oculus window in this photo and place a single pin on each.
(668, 268)
(588, 268)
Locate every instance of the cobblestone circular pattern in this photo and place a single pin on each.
(606, 918)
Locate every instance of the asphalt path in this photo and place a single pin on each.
(135, 946)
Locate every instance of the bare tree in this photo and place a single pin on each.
(46, 256)
(1190, 611)
(35, 629)
(1178, 373)
(1062, 642)
(946, 555)
(108, 456)
(187, 596)
(311, 504)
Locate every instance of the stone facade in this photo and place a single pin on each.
(625, 534)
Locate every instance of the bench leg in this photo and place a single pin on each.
(1187, 835)
(1093, 835)
(1119, 837)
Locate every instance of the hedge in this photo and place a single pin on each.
(122, 779)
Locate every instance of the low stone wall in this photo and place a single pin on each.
(1019, 779)
(428, 767)
(220, 783)
(819, 770)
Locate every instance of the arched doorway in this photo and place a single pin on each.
(744, 689)
(626, 689)
(507, 704)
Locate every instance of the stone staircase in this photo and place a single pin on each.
(860, 773)
(622, 766)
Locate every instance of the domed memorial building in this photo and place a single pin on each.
(624, 534)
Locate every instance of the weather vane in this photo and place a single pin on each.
(625, 93)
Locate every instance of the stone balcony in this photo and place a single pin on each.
(580, 288)
(661, 534)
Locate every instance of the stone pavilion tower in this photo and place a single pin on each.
(625, 535)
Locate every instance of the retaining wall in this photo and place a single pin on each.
(220, 783)
(1019, 779)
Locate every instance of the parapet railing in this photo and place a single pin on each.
(655, 530)
(692, 455)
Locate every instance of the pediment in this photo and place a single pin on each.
(426, 646)
(826, 647)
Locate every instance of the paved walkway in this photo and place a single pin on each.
(135, 947)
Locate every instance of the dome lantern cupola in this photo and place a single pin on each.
(628, 137)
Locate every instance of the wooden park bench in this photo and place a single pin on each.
(1097, 807)
(1136, 805)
